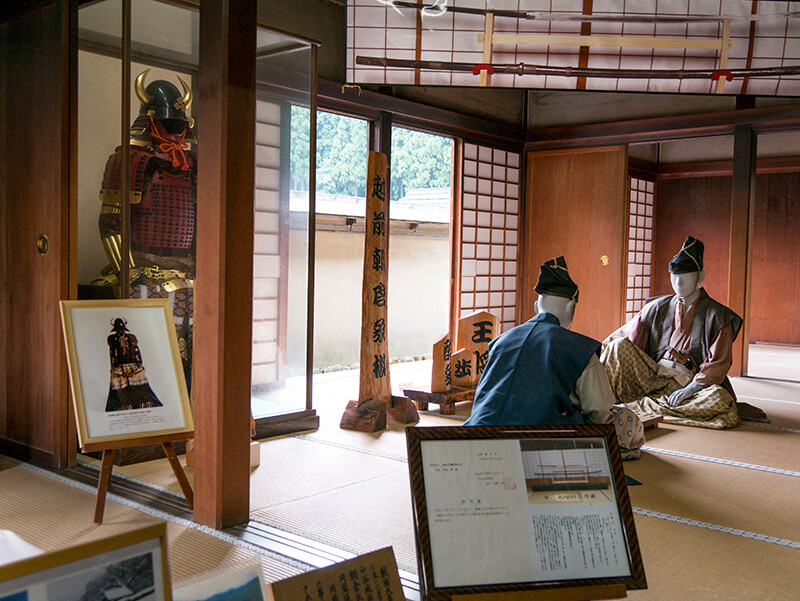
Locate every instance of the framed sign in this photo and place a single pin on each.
(241, 583)
(127, 567)
(125, 371)
(500, 509)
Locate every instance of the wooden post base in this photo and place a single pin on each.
(402, 411)
(369, 416)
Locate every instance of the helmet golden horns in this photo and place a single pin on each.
(187, 93)
(141, 93)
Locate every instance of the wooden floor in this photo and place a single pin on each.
(716, 511)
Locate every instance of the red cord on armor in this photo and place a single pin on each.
(175, 148)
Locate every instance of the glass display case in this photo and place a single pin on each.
(137, 185)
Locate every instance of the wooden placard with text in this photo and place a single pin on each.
(370, 576)
(441, 372)
(375, 382)
(475, 332)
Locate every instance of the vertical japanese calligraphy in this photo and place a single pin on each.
(441, 372)
(375, 381)
(370, 577)
(475, 332)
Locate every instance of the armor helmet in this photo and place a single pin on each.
(118, 325)
(162, 101)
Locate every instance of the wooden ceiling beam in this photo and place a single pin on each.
(765, 119)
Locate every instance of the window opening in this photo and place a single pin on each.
(421, 171)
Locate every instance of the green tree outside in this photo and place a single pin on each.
(419, 160)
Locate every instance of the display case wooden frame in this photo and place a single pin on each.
(594, 587)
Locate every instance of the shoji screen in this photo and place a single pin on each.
(267, 246)
(640, 245)
(489, 232)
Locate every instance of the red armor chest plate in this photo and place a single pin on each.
(163, 222)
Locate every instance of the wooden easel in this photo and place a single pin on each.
(107, 464)
(576, 593)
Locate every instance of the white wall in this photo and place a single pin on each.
(418, 301)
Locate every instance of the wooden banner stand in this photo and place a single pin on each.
(576, 593)
(107, 464)
(375, 400)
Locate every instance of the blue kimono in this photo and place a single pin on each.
(529, 375)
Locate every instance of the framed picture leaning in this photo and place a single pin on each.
(125, 372)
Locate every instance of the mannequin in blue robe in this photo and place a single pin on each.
(541, 373)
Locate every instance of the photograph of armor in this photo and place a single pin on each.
(129, 388)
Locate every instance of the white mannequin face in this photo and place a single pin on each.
(686, 284)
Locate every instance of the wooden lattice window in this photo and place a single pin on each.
(489, 232)
(640, 244)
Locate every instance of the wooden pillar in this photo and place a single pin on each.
(223, 292)
(741, 247)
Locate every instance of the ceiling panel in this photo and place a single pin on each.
(621, 45)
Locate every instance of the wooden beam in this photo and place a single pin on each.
(583, 52)
(488, 40)
(725, 168)
(605, 41)
(223, 293)
(743, 192)
(723, 58)
(764, 119)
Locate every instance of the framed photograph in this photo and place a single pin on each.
(240, 583)
(127, 567)
(125, 371)
(500, 509)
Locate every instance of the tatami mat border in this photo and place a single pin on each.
(767, 427)
(749, 466)
(758, 398)
(132, 480)
(223, 536)
(774, 540)
(318, 539)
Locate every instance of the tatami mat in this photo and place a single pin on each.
(52, 514)
(729, 496)
(750, 444)
(358, 518)
(687, 563)
(705, 511)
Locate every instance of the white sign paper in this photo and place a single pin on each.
(505, 511)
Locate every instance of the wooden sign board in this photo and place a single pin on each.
(475, 332)
(370, 576)
(441, 372)
(463, 363)
(375, 382)
(368, 413)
